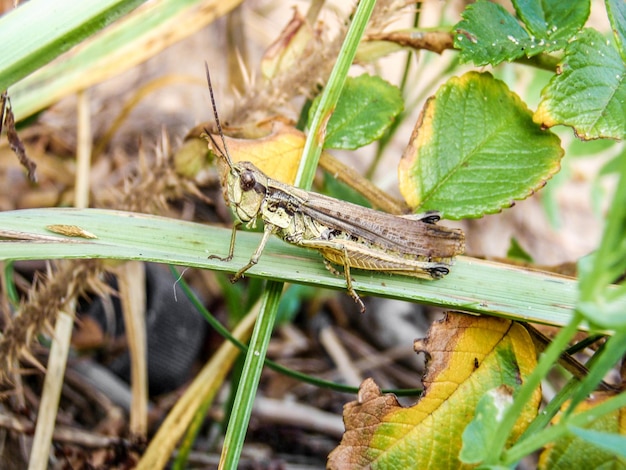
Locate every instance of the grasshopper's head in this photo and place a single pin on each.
(246, 188)
(244, 184)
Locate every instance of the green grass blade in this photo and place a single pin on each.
(473, 285)
(38, 31)
(317, 128)
(246, 391)
(139, 36)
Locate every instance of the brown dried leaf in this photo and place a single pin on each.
(14, 140)
(70, 231)
(293, 43)
(469, 357)
(47, 298)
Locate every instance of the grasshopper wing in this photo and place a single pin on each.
(409, 235)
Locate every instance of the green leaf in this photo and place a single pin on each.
(598, 421)
(339, 190)
(616, 10)
(517, 252)
(599, 300)
(614, 443)
(553, 20)
(475, 150)
(589, 92)
(480, 432)
(367, 107)
(589, 148)
(613, 165)
(488, 34)
(291, 302)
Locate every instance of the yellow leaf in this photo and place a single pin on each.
(277, 153)
(469, 356)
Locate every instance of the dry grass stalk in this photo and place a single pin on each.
(63, 283)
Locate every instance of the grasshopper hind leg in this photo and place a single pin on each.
(338, 253)
(438, 272)
(346, 273)
(331, 268)
(428, 217)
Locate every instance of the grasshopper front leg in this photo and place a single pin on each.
(268, 230)
(231, 249)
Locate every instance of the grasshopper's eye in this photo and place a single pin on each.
(247, 180)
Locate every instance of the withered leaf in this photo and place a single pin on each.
(469, 356)
(70, 231)
(276, 153)
(14, 140)
(292, 44)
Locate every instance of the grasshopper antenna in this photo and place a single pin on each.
(225, 153)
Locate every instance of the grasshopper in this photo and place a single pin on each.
(345, 234)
